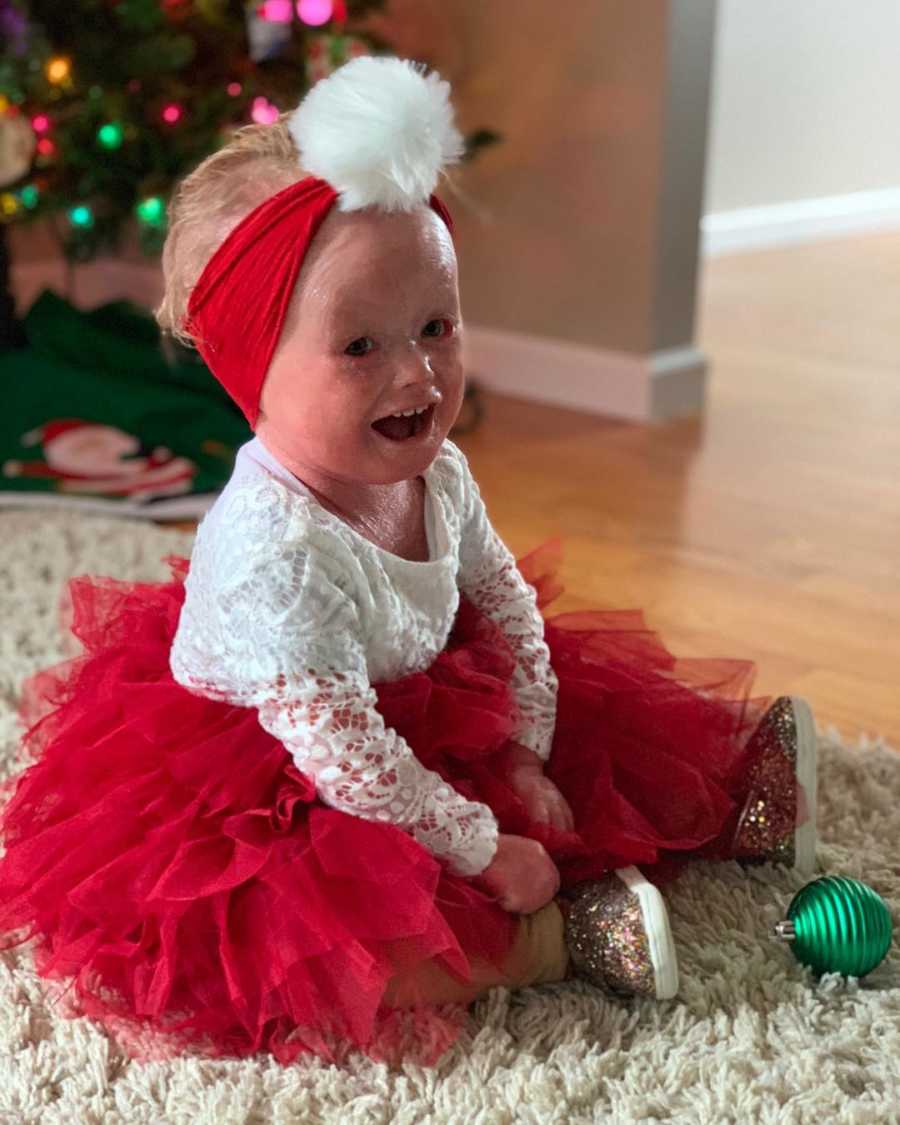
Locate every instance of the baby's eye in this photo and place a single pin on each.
(361, 340)
(445, 324)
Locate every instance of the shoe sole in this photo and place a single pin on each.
(659, 934)
(805, 835)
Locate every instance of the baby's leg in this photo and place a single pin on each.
(538, 956)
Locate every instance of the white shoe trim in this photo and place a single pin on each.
(659, 933)
(805, 835)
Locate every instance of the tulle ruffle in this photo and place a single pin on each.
(172, 863)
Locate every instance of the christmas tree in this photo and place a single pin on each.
(105, 104)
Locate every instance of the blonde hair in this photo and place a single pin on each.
(255, 163)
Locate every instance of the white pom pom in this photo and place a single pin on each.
(378, 131)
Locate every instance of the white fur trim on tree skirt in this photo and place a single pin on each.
(379, 130)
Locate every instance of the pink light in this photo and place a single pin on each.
(263, 111)
(277, 11)
(40, 123)
(315, 12)
(171, 113)
(234, 88)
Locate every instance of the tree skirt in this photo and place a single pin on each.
(751, 1037)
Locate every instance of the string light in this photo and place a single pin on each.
(277, 11)
(29, 196)
(110, 135)
(315, 12)
(81, 216)
(9, 205)
(263, 111)
(46, 147)
(234, 88)
(58, 69)
(40, 123)
(172, 113)
(151, 211)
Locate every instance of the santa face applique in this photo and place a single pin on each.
(90, 458)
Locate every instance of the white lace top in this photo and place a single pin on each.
(290, 610)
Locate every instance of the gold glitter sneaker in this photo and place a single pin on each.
(782, 790)
(618, 935)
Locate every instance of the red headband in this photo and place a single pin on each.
(237, 308)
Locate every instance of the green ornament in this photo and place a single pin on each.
(837, 925)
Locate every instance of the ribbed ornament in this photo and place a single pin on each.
(837, 925)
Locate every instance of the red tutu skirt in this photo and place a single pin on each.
(168, 857)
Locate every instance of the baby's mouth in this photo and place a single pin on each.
(402, 429)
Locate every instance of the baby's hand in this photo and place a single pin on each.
(521, 874)
(542, 800)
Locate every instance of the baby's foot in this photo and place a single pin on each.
(782, 790)
(618, 935)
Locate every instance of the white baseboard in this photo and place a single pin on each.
(666, 384)
(802, 220)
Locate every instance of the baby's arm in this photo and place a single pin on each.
(293, 648)
(489, 577)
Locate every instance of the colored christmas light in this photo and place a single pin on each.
(151, 211)
(263, 111)
(9, 205)
(315, 12)
(46, 147)
(40, 123)
(58, 69)
(110, 135)
(81, 216)
(234, 88)
(29, 196)
(277, 11)
(172, 113)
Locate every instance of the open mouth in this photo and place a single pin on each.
(405, 429)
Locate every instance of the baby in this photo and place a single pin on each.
(344, 767)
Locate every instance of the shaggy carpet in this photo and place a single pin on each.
(752, 1037)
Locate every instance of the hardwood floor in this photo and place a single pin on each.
(769, 529)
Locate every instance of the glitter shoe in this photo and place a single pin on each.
(618, 935)
(782, 791)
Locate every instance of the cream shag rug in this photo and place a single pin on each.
(752, 1036)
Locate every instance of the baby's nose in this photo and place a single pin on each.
(415, 365)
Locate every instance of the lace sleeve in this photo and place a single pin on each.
(307, 677)
(489, 577)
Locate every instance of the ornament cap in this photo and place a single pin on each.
(784, 930)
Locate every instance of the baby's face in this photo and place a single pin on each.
(374, 328)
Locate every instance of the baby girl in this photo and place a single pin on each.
(344, 767)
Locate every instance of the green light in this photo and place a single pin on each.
(151, 211)
(81, 216)
(110, 136)
(29, 195)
